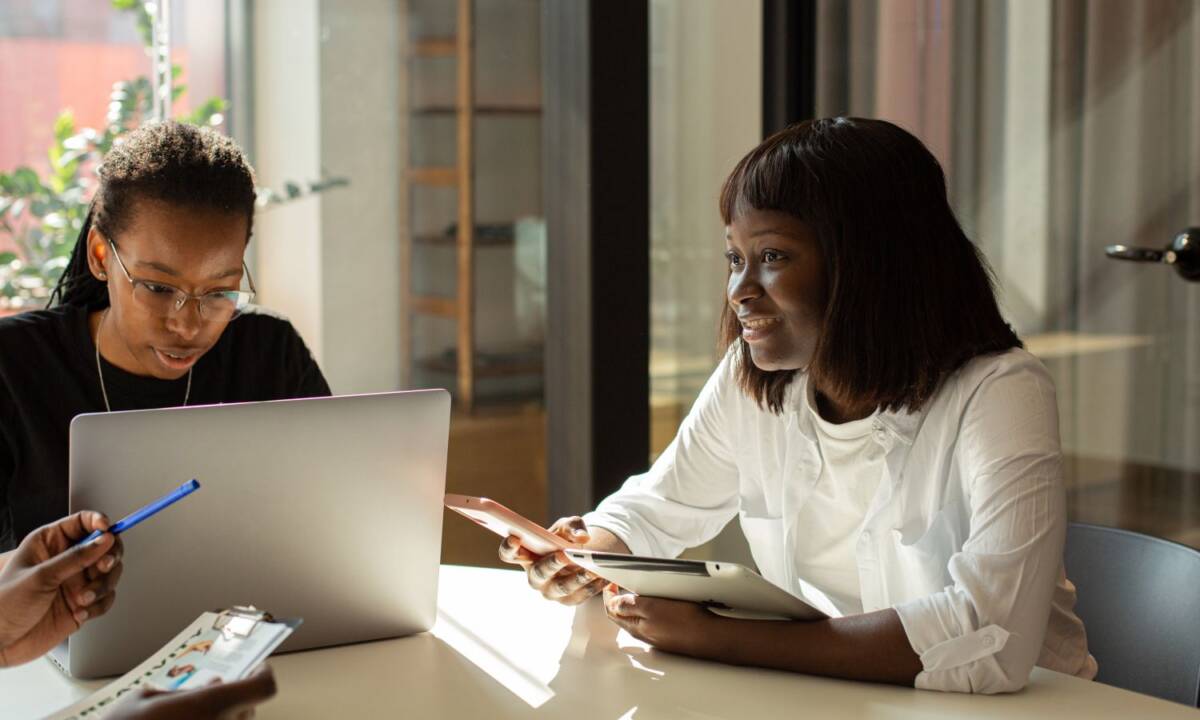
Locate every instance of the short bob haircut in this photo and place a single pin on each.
(910, 298)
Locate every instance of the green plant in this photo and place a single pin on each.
(42, 214)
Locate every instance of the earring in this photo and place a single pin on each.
(103, 276)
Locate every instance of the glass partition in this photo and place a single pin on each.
(705, 113)
(1064, 127)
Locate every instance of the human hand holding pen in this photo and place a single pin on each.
(50, 586)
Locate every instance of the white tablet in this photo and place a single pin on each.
(725, 588)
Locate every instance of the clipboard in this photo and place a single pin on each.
(226, 644)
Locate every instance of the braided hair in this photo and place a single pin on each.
(169, 161)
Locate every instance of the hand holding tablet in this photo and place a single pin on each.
(570, 573)
(725, 588)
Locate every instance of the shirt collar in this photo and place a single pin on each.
(903, 425)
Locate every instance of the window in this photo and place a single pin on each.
(59, 63)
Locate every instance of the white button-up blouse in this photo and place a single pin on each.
(964, 537)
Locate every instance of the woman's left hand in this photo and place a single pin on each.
(672, 625)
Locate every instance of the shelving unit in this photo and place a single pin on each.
(465, 235)
(480, 110)
(461, 307)
(499, 426)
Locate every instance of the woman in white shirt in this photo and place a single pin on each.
(891, 451)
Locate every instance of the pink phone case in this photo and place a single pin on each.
(504, 522)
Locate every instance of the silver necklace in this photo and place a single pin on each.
(104, 391)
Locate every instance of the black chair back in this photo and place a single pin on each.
(1139, 599)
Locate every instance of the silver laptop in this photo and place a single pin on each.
(329, 509)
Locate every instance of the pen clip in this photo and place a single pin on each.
(239, 621)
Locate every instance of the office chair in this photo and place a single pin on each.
(1139, 599)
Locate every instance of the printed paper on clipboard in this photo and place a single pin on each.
(226, 645)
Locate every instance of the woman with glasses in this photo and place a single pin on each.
(153, 310)
(889, 448)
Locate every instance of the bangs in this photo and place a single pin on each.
(777, 175)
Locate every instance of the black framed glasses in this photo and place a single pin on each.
(165, 300)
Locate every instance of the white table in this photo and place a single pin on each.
(500, 651)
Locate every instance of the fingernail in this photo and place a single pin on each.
(87, 598)
(107, 563)
(80, 616)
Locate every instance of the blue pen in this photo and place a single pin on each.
(137, 516)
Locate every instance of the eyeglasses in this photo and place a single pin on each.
(162, 299)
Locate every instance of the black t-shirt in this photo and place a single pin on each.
(48, 376)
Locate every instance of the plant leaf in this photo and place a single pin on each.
(76, 143)
(328, 182)
(72, 156)
(64, 126)
(26, 181)
(208, 113)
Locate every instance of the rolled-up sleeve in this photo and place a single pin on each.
(691, 491)
(983, 634)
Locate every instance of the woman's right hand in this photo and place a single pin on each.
(553, 575)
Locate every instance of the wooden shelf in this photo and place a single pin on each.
(532, 110)
(452, 241)
(494, 235)
(466, 235)
(486, 366)
(441, 176)
(433, 305)
(435, 47)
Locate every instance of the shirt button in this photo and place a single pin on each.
(866, 536)
(988, 640)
